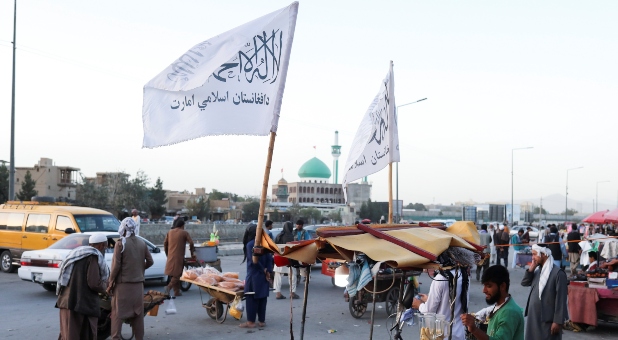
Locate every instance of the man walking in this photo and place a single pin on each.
(492, 245)
(137, 219)
(83, 275)
(126, 281)
(574, 249)
(485, 241)
(506, 321)
(546, 309)
(501, 241)
(174, 246)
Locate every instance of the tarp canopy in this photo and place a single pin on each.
(611, 216)
(597, 217)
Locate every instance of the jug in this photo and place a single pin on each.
(441, 331)
(427, 324)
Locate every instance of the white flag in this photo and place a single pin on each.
(231, 84)
(377, 141)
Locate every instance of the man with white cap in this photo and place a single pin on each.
(546, 310)
(501, 240)
(83, 275)
(126, 280)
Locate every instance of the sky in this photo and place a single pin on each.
(498, 75)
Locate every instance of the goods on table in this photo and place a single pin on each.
(230, 275)
(212, 277)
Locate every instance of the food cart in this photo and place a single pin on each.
(218, 297)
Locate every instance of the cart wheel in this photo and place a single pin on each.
(184, 285)
(391, 301)
(357, 308)
(214, 308)
(332, 280)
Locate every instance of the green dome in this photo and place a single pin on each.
(314, 168)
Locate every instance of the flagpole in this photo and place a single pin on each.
(390, 193)
(269, 159)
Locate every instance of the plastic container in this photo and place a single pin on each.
(206, 254)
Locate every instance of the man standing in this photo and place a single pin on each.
(174, 246)
(541, 238)
(137, 219)
(83, 275)
(301, 234)
(126, 281)
(555, 244)
(505, 319)
(546, 309)
(269, 226)
(485, 241)
(517, 245)
(574, 249)
(492, 245)
(501, 241)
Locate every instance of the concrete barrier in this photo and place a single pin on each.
(156, 233)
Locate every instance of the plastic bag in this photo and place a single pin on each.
(236, 308)
(171, 307)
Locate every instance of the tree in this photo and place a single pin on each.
(216, 195)
(543, 211)
(136, 194)
(335, 216)
(27, 188)
(310, 215)
(275, 216)
(294, 212)
(251, 210)
(158, 200)
(570, 212)
(199, 207)
(416, 206)
(90, 195)
(4, 183)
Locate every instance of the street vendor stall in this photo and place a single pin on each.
(588, 305)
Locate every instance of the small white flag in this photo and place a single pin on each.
(376, 143)
(231, 84)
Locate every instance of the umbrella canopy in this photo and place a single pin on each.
(611, 216)
(598, 217)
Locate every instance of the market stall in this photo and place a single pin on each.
(588, 305)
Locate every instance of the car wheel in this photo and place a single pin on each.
(50, 287)
(6, 263)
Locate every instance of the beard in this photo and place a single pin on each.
(493, 298)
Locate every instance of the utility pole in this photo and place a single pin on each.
(12, 161)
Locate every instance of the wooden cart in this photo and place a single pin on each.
(218, 297)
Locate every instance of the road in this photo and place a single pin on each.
(28, 313)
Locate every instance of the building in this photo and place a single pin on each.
(178, 200)
(55, 181)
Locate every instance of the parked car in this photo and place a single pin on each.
(534, 233)
(144, 220)
(275, 232)
(230, 222)
(38, 225)
(43, 266)
(253, 222)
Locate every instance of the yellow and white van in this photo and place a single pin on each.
(37, 225)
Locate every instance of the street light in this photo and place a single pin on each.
(597, 204)
(512, 204)
(397, 217)
(566, 203)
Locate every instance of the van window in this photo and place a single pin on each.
(63, 222)
(11, 221)
(38, 223)
(97, 223)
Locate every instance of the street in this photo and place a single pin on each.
(28, 312)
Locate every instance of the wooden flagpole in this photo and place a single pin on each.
(390, 193)
(269, 158)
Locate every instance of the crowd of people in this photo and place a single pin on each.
(84, 275)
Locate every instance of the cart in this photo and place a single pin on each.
(152, 300)
(218, 297)
(189, 263)
(387, 290)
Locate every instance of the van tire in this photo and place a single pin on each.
(6, 262)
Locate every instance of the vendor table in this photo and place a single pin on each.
(588, 305)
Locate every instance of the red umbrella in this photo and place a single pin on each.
(598, 217)
(611, 216)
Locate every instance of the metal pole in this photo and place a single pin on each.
(302, 323)
(12, 165)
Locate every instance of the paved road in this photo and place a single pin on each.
(27, 312)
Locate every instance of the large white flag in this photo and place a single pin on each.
(231, 84)
(377, 141)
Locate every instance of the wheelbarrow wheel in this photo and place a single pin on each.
(391, 301)
(214, 309)
(332, 280)
(357, 308)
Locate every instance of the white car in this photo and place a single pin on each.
(43, 266)
(534, 233)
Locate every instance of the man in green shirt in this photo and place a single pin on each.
(506, 320)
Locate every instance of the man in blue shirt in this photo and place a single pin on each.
(517, 246)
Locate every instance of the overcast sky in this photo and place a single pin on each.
(498, 75)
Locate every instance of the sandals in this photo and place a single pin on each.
(261, 324)
(295, 296)
(246, 325)
(281, 297)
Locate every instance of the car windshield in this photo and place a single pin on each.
(97, 223)
(71, 242)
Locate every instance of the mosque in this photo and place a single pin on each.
(318, 188)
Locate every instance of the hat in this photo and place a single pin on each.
(97, 238)
(178, 212)
(501, 227)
